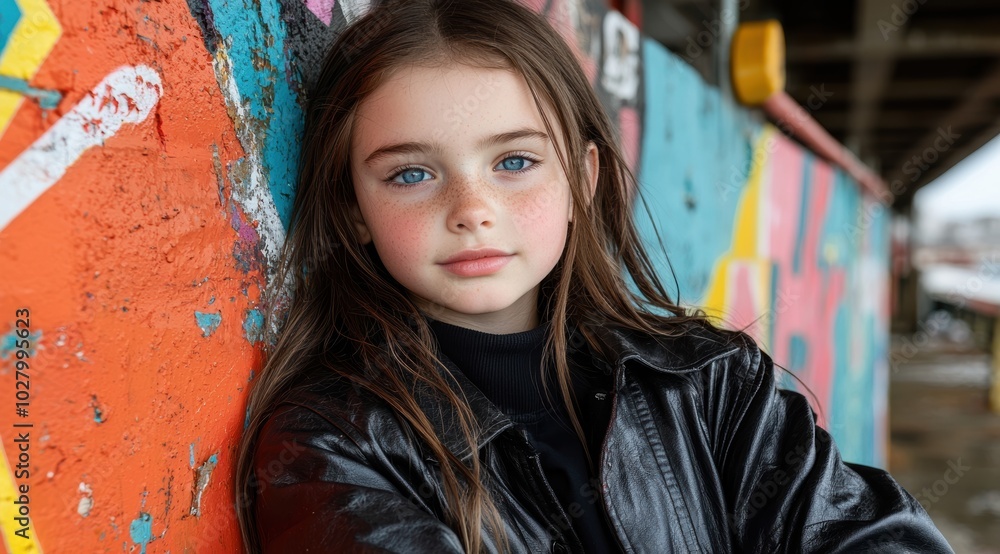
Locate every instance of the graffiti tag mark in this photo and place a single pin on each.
(126, 95)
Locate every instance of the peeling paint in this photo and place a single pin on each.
(127, 95)
(208, 322)
(262, 96)
(141, 530)
(86, 502)
(98, 414)
(8, 343)
(253, 325)
(204, 473)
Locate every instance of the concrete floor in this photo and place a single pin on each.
(945, 443)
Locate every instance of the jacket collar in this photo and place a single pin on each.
(689, 351)
(694, 347)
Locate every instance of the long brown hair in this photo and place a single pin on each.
(348, 315)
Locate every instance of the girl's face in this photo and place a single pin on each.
(447, 160)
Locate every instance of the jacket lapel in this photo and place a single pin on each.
(691, 350)
(444, 417)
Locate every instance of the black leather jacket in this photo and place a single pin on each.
(703, 454)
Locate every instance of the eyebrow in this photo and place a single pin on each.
(418, 147)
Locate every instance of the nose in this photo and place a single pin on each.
(471, 206)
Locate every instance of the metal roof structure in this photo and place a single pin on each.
(910, 86)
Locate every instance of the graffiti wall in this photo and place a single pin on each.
(146, 176)
(764, 235)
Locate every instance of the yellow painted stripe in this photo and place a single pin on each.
(9, 103)
(8, 511)
(715, 295)
(33, 38)
(744, 244)
(745, 230)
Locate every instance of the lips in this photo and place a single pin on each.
(476, 254)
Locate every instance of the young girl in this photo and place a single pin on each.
(462, 244)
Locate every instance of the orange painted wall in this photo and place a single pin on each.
(146, 168)
(112, 261)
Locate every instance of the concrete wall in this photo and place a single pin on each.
(146, 177)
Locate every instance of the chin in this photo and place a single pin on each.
(479, 309)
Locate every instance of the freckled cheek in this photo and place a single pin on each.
(543, 208)
(542, 216)
(404, 236)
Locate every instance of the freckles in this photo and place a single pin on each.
(405, 227)
(545, 203)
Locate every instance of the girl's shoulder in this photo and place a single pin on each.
(721, 367)
(325, 399)
(681, 346)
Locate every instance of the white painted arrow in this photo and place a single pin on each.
(127, 95)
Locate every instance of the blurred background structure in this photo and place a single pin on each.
(912, 89)
(821, 172)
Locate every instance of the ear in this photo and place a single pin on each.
(364, 235)
(592, 166)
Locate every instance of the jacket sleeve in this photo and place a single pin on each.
(316, 492)
(786, 487)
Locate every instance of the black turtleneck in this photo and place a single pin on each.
(507, 369)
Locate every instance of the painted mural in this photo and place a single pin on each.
(146, 176)
(761, 233)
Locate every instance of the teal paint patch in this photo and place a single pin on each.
(191, 462)
(208, 322)
(47, 99)
(779, 303)
(10, 14)
(253, 323)
(9, 346)
(853, 390)
(803, 225)
(797, 350)
(141, 530)
(211, 300)
(98, 414)
(835, 242)
(256, 44)
(697, 152)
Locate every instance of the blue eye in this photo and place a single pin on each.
(518, 163)
(411, 174)
(507, 165)
(407, 173)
